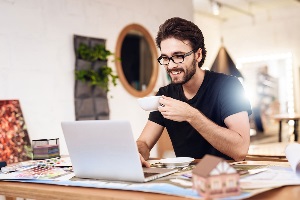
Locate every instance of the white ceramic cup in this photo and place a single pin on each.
(150, 103)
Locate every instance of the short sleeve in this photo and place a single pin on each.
(156, 116)
(233, 98)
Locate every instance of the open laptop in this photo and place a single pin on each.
(105, 149)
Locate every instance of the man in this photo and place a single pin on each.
(204, 112)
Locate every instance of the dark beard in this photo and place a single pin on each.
(188, 74)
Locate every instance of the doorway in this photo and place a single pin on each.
(269, 85)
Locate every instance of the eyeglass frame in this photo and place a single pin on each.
(171, 58)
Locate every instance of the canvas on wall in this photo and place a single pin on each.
(14, 139)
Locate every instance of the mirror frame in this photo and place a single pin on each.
(154, 75)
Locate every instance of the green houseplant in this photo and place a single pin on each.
(96, 77)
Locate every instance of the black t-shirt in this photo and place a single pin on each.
(218, 97)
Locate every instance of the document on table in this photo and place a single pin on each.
(275, 176)
(292, 154)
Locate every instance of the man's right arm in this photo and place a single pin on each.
(148, 138)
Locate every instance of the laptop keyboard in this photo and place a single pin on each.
(147, 174)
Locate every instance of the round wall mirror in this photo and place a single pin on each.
(137, 68)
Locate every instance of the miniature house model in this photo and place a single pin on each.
(214, 177)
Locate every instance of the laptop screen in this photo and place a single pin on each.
(103, 149)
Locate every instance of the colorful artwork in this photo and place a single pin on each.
(14, 139)
(41, 169)
(40, 173)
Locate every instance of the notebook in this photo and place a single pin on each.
(106, 149)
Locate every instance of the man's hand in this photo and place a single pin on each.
(174, 109)
(144, 162)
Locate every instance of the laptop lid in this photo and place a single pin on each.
(106, 149)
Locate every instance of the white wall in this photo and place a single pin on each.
(268, 33)
(37, 54)
(211, 30)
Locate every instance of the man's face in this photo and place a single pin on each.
(179, 73)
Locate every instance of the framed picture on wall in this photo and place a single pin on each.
(14, 138)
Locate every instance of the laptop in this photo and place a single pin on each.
(106, 149)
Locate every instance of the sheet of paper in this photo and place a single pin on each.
(275, 176)
(292, 154)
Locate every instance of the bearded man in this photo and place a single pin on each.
(204, 112)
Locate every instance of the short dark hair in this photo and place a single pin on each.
(182, 29)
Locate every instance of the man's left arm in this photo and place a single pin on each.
(233, 141)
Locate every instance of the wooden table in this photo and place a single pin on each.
(285, 117)
(12, 190)
(41, 191)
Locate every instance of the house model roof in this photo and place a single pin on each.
(212, 165)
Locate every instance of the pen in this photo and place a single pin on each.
(239, 162)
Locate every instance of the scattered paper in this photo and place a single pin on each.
(38, 173)
(292, 154)
(275, 176)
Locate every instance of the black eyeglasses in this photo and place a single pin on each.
(165, 60)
